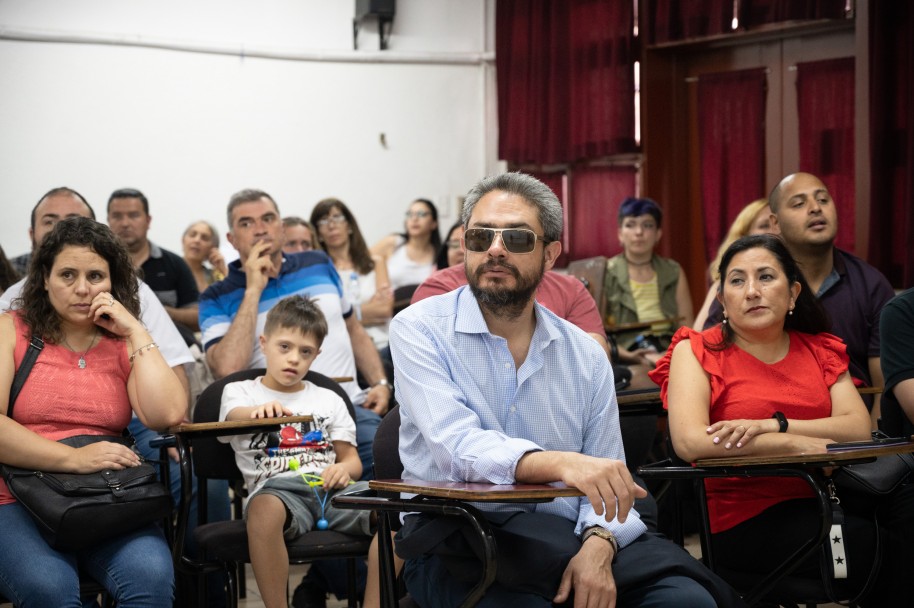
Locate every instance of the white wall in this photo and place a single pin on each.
(190, 128)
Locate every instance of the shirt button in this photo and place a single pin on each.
(507, 365)
(513, 409)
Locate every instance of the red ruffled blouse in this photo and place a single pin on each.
(745, 387)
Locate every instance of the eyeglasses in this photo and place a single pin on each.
(515, 240)
(331, 220)
(417, 214)
(453, 244)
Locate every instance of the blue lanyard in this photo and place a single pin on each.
(313, 481)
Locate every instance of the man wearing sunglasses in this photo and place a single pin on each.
(494, 388)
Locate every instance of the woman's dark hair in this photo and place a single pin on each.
(37, 311)
(441, 260)
(435, 237)
(636, 207)
(808, 314)
(8, 274)
(358, 250)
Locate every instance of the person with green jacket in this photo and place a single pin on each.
(641, 286)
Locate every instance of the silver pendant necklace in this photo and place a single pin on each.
(82, 357)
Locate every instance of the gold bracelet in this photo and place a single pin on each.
(138, 351)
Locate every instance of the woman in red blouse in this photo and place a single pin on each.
(768, 380)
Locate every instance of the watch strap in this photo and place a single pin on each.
(782, 421)
(605, 535)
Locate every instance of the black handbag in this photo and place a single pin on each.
(77, 510)
(882, 476)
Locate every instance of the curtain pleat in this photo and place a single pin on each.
(825, 111)
(891, 65)
(731, 128)
(596, 193)
(565, 80)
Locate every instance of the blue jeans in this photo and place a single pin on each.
(135, 568)
(432, 586)
(366, 425)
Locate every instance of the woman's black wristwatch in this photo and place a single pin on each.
(782, 421)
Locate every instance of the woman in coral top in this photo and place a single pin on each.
(768, 380)
(98, 366)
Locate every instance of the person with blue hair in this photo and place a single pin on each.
(641, 286)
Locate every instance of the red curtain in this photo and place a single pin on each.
(565, 79)
(682, 19)
(825, 110)
(757, 12)
(891, 73)
(731, 124)
(556, 183)
(670, 20)
(553, 180)
(596, 193)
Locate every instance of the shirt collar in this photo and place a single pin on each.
(838, 270)
(154, 250)
(470, 319)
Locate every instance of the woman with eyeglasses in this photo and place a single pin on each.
(364, 275)
(411, 255)
(640, 286)
(450, 253)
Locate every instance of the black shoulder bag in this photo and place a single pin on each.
(77, 510)
(879, 477)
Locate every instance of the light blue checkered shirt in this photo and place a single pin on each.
(469, 415)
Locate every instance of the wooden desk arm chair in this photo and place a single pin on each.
(225, 543)
(443, 500)
(777, 586)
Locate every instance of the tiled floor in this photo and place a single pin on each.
(295, 573)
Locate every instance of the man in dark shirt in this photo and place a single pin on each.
(897, 356)
(165, 272)
(852, 291)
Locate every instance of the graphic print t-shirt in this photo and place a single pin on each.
(263, 456)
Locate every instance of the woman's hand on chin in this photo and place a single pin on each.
(109, 314)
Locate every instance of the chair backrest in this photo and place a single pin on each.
(386, 449)
(591, 271)
(216, 460)
(402, 297)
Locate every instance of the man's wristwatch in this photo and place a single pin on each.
(605, 535)
(382, 382)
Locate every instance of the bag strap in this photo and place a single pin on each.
(31, 354)
(828, 569)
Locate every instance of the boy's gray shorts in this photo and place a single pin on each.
(304, 506)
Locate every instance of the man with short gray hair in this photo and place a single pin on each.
(494, 388)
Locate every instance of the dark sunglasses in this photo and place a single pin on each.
(515, 240)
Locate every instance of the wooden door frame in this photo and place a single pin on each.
(671, 170)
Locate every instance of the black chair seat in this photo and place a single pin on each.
(228, 541)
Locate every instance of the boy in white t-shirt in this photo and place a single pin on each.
(282, 505)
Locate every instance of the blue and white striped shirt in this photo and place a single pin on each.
(468, 415)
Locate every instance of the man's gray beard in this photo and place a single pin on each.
(504, 302)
